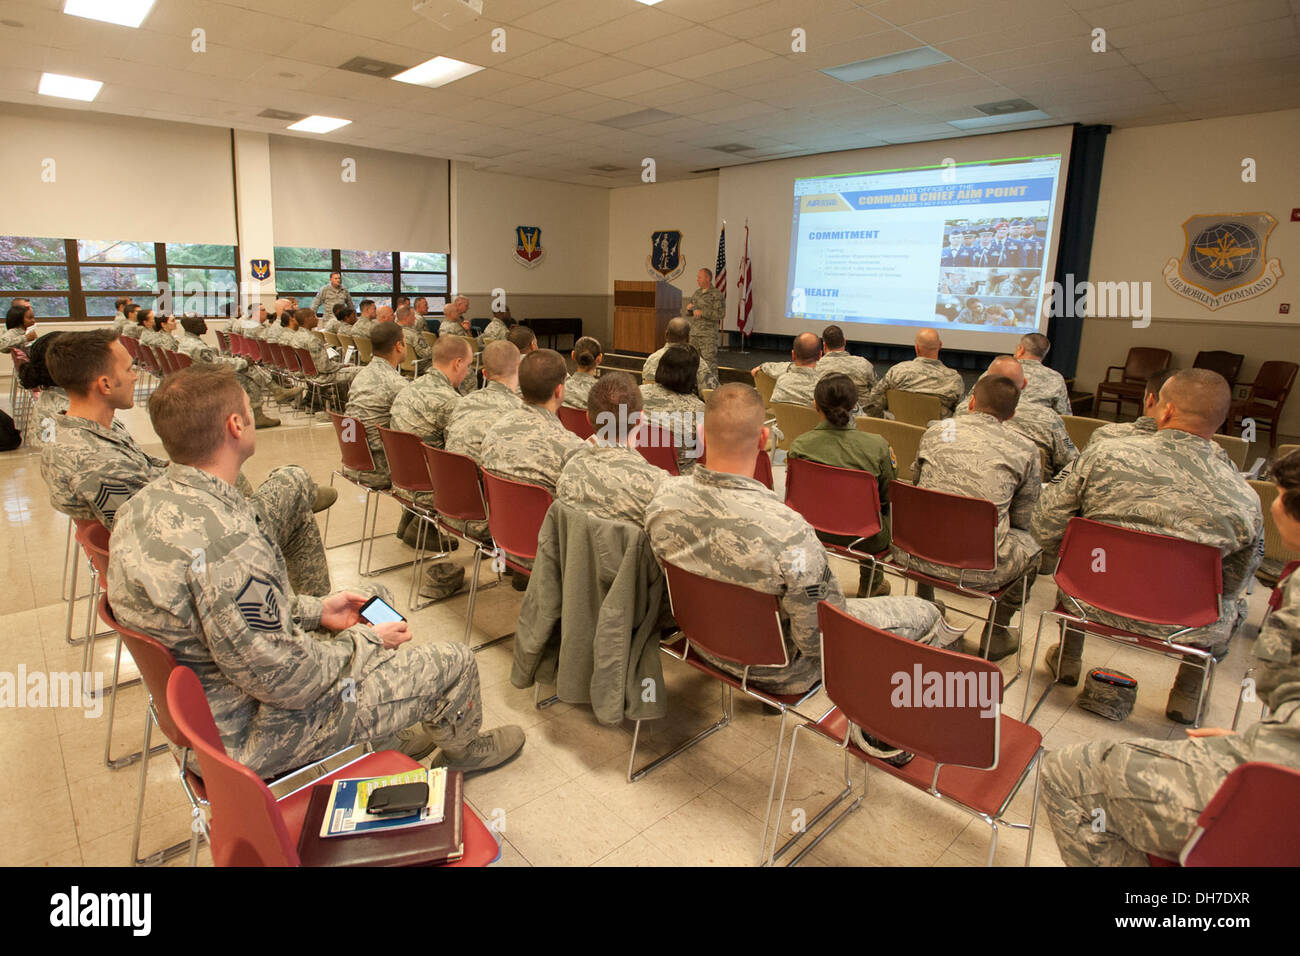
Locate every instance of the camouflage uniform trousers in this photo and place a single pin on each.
(380, 478)
(704, 336)
(284, 501)
(434, 685)
(1149, 792)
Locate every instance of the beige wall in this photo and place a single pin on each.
(690, 205)
(1156, 177)
(114, 177)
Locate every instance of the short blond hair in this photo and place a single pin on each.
(189, 411)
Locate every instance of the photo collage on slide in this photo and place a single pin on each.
(990, 272)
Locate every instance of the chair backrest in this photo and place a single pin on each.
(1227, 364)
(179, 359)
(886, 685)
(1080, 429)
(658, 446)
(406, 461)
(793, 420)
(1238, 449)
(749, 633)
(430, 337)
(765, 384)
(833, 500)
(762, 466)
(131, 345)
(365, 351)
(1136, 574)
(223, 343)
(1143, 362)
(1246, 823)
(575, 420)
(331, 340)
(1284, 450)
(516, 511)
(93, 538)
(705, 393)
(1274, 548)
(155, 663)
(289, 359)
(161, 359)
(345, 340)
(1274, 381)
(457, 492)
(915, 408)
(305, 360)
(952, 530)
(247, 826)
(903, 438)
(353, 446)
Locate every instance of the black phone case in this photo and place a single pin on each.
(400, 798)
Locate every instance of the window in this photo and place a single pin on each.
(367, 274)
(83, 278)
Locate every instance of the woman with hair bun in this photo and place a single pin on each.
(587, 354)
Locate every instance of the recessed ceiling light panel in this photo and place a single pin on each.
(439, 71)
(126, 13)
(319, 124)
(1006, 119)
(917, 59)
(69, 87)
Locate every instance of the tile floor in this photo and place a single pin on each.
(565, 800)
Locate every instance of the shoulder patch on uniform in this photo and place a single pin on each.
(821, 589)
(111, 496)
(893, 459)
(258, 605)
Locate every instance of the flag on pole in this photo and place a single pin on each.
(720, 267)
(745, 305)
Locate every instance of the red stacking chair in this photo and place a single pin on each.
(410, 474)
(967, 752)
(838, 501)
(94, 538)
(156, 664)
(1185, 594)
(249, 827)
(516, 511)
(223, 343)
(749, 635)
(1243, 825)
(575, 420)
(658, 446)
(458, 496)
(955, 531)
(179, 360)
(310, 379)
(131, 345)
(356, 456)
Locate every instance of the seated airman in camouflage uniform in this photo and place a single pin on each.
(454, 321)
(1277, 649)
(329, 371)
(121, 317)
(980, 456)
(290, 678)
(20, 327)
(1143, 424)
(282, 327)
(925, 373)
(371, 397)
(1034, 420)
(476, 413)
(587, 355)
(423, 409)
(1043, 385)
(416, 344)
(796, 380)
(160, 336)
(721, 523)
(135, 328)
(606, 477)
(498, 329)
(837, 358)
(671, 407)
(367, 320)
(678, 332)
(530, 444)
(92, 466)
(255, 381)
(1172, 483)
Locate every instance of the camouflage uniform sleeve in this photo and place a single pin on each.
(107, 487)
(774, 369)
(705, 377)
(875, 402)
(1061, 400)
(1063, 450)
(279, 664)
(808, 579)
(886, 474)
(714, 306)
(1239, 566)
(1060, 500)
(1027, 494)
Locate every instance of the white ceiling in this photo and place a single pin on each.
(723, 69)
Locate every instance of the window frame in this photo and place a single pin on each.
(395, 275)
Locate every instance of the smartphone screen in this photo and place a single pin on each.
(378, 611)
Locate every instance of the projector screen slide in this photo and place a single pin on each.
(964, 247)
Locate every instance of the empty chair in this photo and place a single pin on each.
(1227, 364)
(915, 408)
(1139, 366)
(1266, 399)
(793, 420)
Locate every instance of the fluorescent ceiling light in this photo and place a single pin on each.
(917, 59)
(319, 124)
(1006, 119)
(127, 13)
(68, 87)
(648, 3)
(439, 71)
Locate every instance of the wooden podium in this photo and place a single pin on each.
(641, 311)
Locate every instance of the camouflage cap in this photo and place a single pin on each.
(1109, 693)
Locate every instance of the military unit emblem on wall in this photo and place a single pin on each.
(1223, 260)
(261, 268)
(528, 245)
(665, 261)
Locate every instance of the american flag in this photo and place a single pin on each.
(720, 267)
(745, 307)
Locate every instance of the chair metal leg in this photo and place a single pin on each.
(1029, 677)
(370, 572)
(543, 704)
(176, 849)
(1033, 812)
(635, 775)
(771, 790)
(117, 763)
(835, 801)
(473, 594)
(67, 555)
